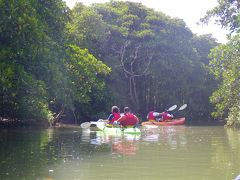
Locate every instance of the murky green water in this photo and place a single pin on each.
(183, 153)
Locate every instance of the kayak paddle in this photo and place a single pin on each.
(172, 108)
(182, 107)
(85, 125)
(100, 123)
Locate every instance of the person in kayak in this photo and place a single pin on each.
(153, 116)
(166, 115)
(115, 115)
(157, 117)
(128, 119)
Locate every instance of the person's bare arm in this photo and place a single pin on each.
(122, 118)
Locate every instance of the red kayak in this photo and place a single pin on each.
(174, 122)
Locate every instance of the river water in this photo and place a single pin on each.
(167, 153)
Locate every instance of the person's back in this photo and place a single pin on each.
(128, 119)
(115, 115)
(153, 116)
(166, 116)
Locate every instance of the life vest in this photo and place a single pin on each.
(150, 116)
(166, 116)
(116, 116)
(130, 120)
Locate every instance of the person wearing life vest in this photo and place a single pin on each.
(166, 116)
(115, 115)
(128, 119)
(153, 116)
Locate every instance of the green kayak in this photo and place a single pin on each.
(116, 130)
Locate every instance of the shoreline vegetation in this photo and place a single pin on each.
(16, 123)
(71, 65)
(41, 124)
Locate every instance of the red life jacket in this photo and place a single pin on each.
(150, 116)
(116, 116)
(130, 120)
(166, 116)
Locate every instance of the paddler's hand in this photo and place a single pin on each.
(116, 123)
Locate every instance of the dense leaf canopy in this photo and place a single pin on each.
(225, 63)
(72, 65)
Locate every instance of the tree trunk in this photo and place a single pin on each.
(58, 116)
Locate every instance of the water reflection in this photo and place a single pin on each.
(23, 153)
(233, 136)
(171, 136)
(150, 134)
(125, 144)
(160, 153)
(175, 137)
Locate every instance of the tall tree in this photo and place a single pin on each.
(225, 63)
(204, 82)
(21, 38)
(36, 65)
(154, 61)
(225, 66)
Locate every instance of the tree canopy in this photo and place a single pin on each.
(37, 77)
(225, 63)
(73, 64)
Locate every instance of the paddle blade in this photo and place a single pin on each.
(94, 122)
(85, 125)
(183, 107)
(101, 125)
(172, 108)
(102, 120)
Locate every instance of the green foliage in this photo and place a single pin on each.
(37, 69)
(20, 34)
(233, 119)
(225, 66)
(225, 14)
(125, 18)
(86, 27)
(33, 104)
(84, 71)
(50, 65)
(22, 95)
(154, 61)
(225, 63)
